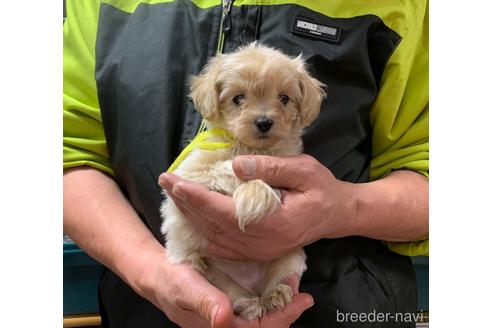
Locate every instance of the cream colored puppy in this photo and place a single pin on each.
(263, 99)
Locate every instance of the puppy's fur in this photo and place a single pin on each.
(264, 99)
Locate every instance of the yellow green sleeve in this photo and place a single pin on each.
(83, 135)
(400, 116)
(416, 248)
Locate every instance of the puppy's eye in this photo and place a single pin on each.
(284, 99)
(237, 99)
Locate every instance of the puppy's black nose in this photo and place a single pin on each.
(263, 124)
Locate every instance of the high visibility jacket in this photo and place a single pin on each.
(126, 109)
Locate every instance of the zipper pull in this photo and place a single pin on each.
(226, 15)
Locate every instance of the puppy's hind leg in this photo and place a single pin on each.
(244, 302)
(254, 200)
(276, 294)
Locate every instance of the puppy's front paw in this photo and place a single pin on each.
(254, 200)
(277, 297)
(248, 308)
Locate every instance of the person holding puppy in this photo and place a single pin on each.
(358, 194)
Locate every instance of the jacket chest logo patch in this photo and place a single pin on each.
(310, 28)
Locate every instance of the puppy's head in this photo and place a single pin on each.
(259, 94)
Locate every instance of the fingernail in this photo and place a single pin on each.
(215, 309)
(163, 181)
(178, 191)
(248, 165)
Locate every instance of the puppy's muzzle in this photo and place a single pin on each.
(263, 124)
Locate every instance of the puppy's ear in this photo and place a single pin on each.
(312, 95)
(205, 92)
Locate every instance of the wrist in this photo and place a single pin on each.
(350, 209)
(140, 268)
(357, 207)
(369, 204)
(341, 218)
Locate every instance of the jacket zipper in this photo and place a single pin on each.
(224, 28)
(225, 23)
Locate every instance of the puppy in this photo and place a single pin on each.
(260, 100)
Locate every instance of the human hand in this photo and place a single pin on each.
(314, 205)
(189, 300)
(280, 318)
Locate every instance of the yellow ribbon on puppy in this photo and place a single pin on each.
(203, 141)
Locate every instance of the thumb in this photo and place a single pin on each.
(290, 313)
(282, 172)
(210, 303)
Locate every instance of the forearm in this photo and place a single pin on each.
(102, 222)
(395, 208)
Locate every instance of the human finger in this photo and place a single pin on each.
(205, 204)
(197, 295)
(293, 281)
(289, 314)
(217, 249)
(279, 318)
(290, 172)
(208, 204)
